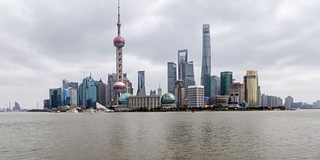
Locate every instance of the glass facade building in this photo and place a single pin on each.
(88, 92)
(69, 93)
(141, 91)
(55, 97)
(206, 55)
(251, 88)
(209, 86)
(226, 81)
(185, 69)
(101, 93)
(182, 61)
(189, 76)
(172, 76)
(217, 83)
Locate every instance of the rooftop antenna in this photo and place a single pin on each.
(119, 23)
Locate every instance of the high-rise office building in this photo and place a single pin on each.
(141, 91)
(179, 92)
(182, 61)
(206, 55)
(172, 76)
(16, 106)
(101, 92)
(69, 93)
(209, 86)
(128, 84)
(46, 104)
(287, 102)
(251, 90)
(217, 83)
(196, 96)
(226, 81)
(185, 69)
(55, 97)
(88, 92)
(189, 76)
(237, 93)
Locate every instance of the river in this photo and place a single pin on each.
(161, 135)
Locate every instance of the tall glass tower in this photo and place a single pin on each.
(226, 81)
(172, 76)
(206, 54)
(188, 76)
(182, 61)
(185, 69)
(141, 84)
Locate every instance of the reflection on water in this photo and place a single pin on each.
(200, 135)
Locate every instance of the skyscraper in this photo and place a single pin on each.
(251, 90)
(217, 83)
(236, 94)
(128, 84)
(209, 86)
(206, 54)
(88, 92)
(101, 93)
(226, 81)
(69, 93)
(55, 97)
(182, 60)
(287, 102)
(141, 91)
(179, 92)
(172, 76)
(189, 76)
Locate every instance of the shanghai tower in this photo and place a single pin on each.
(206, 60)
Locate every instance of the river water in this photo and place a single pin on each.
(170, 135)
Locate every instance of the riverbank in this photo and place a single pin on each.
(198, 109)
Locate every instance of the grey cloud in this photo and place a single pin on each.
(52, 40)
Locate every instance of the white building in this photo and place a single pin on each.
(149, 102)
(195, 96)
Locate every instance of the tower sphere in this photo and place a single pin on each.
(118, 42)
(119, 85)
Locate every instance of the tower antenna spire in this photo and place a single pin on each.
(119, 23)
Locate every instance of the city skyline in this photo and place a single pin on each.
(44, 42)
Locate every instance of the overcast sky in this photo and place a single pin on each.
(45, 41)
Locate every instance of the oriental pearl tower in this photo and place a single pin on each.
(118, 42)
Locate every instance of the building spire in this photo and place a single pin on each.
(119, 23)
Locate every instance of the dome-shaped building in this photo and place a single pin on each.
(123, 99)
(168, 100)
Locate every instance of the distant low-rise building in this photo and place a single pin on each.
(46, 104)
(148, 102)
(220, 100)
